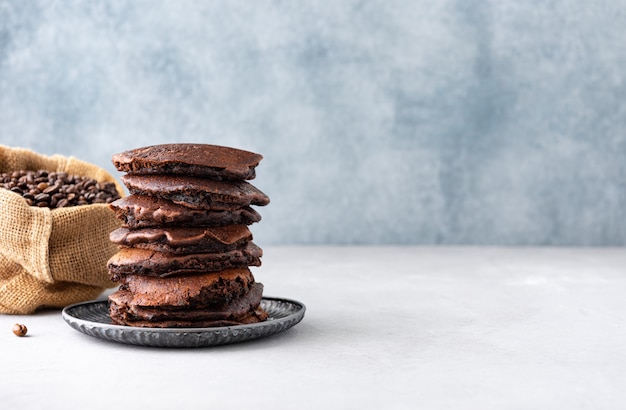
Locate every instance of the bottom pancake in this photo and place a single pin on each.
(243, 310)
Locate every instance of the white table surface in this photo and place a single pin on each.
(385, 328)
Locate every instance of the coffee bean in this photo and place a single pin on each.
(58, 189)
(42, 198)
(52, 189)
(19, 330)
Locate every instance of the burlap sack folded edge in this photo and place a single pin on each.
(57, 256)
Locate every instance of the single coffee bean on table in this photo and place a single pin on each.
(58, 189)
(19, 330)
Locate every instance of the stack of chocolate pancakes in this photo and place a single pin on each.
(184, 246)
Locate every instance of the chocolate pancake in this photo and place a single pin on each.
(202, 160)
(141, 211)
(192, 291)
(244, 310)
(197, 193)
(184, 240)
(133, 261)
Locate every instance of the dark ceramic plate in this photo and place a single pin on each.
(92, 318)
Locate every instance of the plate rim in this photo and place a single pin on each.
(79, 324)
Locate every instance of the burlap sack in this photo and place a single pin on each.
(52, 257)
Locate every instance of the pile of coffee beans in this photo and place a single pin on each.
(58, 189)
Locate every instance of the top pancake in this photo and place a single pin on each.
(200, 160)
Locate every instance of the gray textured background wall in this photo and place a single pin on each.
(426, 122)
